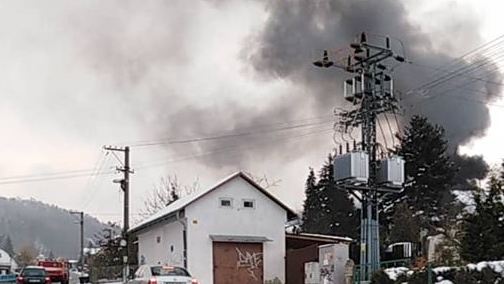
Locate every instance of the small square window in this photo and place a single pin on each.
(226, 202)
(248, 204)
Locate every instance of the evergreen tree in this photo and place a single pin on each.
(484, 229)
(6, 244)
(428, 172)
(341, 213)
(9, 248)
(328, 209)
(405, 225)
(311, 207)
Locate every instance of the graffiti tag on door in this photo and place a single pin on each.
(251, 261)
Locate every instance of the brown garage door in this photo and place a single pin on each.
(238, 263)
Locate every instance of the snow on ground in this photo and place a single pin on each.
(394, 272)
(497, 266)
(444, 282)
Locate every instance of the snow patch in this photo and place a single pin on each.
(497, 266)
(394, 272)
(444, 282)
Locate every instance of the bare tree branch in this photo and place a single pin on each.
(264, 181)
(165, 192)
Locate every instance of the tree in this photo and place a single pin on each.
(484, 229)
(428, 171)
(264, 181)
(6, 245)
(26, 255)
(330, 210)
(405, 225)
(312, 205)
(167, 191)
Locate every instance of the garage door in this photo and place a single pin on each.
(238, 263)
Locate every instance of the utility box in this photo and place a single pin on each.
(332, 261)
(352, 167)
(391, 172)
(312, 273)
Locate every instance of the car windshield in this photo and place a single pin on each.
(169, 271)
(33, 272)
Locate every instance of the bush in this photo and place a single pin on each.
(380, 277)
(485, 276)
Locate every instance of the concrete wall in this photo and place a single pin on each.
(169, 249)
(206, 217)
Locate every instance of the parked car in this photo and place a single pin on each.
(159, 274)
(33, 275)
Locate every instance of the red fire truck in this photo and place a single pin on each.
(57, 270)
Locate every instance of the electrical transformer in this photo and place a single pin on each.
(352, 167)
(391, 172)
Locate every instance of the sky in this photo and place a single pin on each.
(77, 76)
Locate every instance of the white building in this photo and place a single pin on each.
(233, 231)
(7, 263)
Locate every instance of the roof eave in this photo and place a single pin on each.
(165, 219)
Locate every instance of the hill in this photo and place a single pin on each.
(47, 227)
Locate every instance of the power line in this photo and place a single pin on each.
(461, 71)
(469, 68)
(473, 68)
(52, 178)
(492, 57)
(390, 129)
(220, 137)
(447, 92)
(416, 64)
(92, 172)
(82, 172)
(397, 123)
(263, 127)
(226, 149)
(95, 186)
(382, 133)
(460, 59)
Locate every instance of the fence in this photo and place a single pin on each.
(372, 266)
(7, 278)
(98, 274)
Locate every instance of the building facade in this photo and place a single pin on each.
(230, 233)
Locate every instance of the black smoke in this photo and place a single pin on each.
(147, 58)
(296, 28)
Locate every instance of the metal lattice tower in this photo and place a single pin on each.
(371, 92)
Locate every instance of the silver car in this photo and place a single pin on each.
(159, 274)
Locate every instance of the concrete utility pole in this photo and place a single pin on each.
(371, 91)
(81, 222)
(125, 188)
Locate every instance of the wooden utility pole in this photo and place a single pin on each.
(125, 188)
(81, 222)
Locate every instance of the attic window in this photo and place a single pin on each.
(248, 203)
(226, 202)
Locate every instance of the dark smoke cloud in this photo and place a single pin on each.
(143, 49)
(467, 169)
(296, 28)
